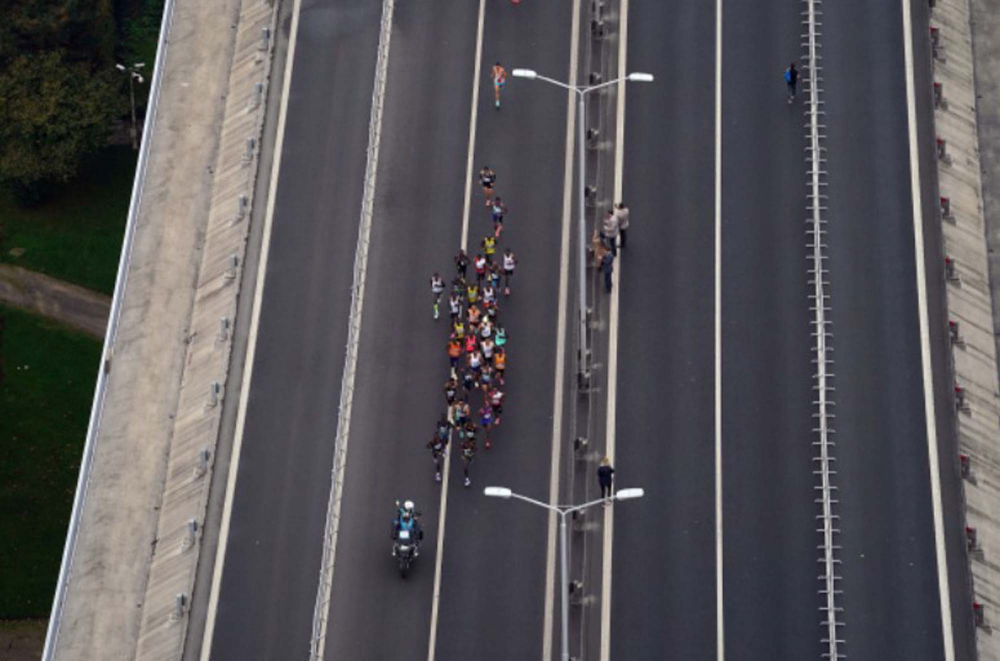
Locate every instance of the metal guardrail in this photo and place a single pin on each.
(100, 391)
(831, 641)
(321, 610)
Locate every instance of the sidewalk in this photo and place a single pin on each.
(74, 306)
(967, 69)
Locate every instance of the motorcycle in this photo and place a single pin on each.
(406, 536)
(405, 550)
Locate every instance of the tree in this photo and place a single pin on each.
(83, 30)
(52, 113)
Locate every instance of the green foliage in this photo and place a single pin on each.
(76, 233)
(45, 403)
(52, 113)
(81, 30)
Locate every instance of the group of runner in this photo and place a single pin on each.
(477, 340)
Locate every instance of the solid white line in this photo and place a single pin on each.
(473, 120)
(925, 343)
(560, 369)
(720, 639)
(613, 319)
(234, 462)
(343, 434)
(443, 512)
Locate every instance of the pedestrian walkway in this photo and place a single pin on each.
(69, 304)
(967, 98)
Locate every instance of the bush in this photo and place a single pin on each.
(52, 114)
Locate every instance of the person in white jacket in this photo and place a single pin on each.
(621, 211)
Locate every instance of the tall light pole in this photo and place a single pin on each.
(581, 93)
(563, 511)
(133, 75)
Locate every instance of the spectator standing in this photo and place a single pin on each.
(609, 232)
(608, 266)
(605, 474)
(622, 212)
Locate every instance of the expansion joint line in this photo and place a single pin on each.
(822, 333)
(323, 594)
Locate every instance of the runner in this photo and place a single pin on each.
(480, 265)
(461, 263)
(454, 353)
(472, 293)
(470, 343)
(450, 390)
(468, 380)
(487, 346)
(476, 362)
(499, 209)
(437, 290)
(496, 401)
(489, 294)
(486, 422)
(509, 262)
(458, 330)
(468, 456)
(500, 364)
(499, 80)
(437, 446)
(487, 376)
(501, 336)
(487, 177)
(489, 246)
(473, 315)
(455, 306)
(458, 286)
(491, 311)
(486, 328)
(495, 275)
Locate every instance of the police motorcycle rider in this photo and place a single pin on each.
(406, 525)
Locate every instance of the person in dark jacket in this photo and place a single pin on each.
(604, 476)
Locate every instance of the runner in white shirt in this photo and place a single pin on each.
(486, 328)
(437, 289)
(509, 262)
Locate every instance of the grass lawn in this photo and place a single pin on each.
(77, 234)
(48, 382)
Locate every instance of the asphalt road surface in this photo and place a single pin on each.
(493, 561)
(273, 555)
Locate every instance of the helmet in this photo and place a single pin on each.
(408, 506)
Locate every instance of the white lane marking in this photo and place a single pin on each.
(720, 638)
(560, 377)
(473, 119)
(613, 319)
(234, 462)
(930, 416)
(323, 592)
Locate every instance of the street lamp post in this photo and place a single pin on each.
(133, 75)
(581, 93)
(563, 511)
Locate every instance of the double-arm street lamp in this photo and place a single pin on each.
(133, 76)
(563, 511)
(581, 92)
